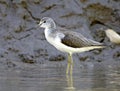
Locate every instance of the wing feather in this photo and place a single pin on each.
(77, 40)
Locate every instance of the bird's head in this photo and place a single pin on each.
(47, 22)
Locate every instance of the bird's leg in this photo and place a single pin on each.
(70, 64)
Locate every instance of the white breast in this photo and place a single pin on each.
(55, 40)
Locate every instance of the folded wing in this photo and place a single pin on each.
(77, 40)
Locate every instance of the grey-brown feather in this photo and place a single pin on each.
(77, 40)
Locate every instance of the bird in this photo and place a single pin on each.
(113, 36)
(67, 41)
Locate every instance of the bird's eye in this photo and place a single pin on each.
(44, 21)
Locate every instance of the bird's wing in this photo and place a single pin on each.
(77, 40)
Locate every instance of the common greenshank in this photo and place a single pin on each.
(67, 41)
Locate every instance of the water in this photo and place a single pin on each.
(87, 76)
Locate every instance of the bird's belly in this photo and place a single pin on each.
(51, 41)
(64, 48)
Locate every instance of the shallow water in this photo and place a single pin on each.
(87, 76)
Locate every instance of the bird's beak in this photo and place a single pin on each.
(37, 26)
(40, 23)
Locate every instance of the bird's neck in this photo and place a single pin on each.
(49, 31)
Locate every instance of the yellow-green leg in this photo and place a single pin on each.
(70, 64)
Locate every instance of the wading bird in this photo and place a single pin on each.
(67, 41)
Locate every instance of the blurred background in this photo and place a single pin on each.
(29, 63)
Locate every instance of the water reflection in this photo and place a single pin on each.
(99, 77)
(70, 84)
(52, 77)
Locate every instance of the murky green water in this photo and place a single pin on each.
(51, 77)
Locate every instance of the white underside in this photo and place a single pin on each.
(68, 49)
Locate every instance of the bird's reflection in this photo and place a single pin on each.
(70, 85)
(69, 77)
